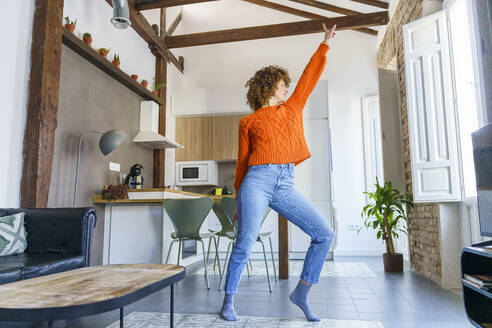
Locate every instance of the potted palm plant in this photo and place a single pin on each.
(385, 213)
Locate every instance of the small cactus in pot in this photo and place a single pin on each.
(87, 37)
(156, 87)
(103, 52)
(116, 60)
(144, 83)
(70, 25)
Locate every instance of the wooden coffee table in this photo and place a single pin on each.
(86, 291)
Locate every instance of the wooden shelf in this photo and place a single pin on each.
(79, 46)
(478, 290)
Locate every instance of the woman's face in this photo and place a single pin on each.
(281, 91)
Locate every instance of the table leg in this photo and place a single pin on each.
(121, 317)
(171, 310)
(283, 247)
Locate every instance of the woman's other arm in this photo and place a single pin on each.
(243, 154)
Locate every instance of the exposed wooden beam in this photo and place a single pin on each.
(42, 104)
(375, 3)
(145, 5)
(301, 13)
(173, 26)
(328, 7)
(277, 30)
(159, 166)
(157, 45)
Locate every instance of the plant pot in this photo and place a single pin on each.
(70, 27)
(393, 262)
(116, 63)
(134, 76)
(156, 93)
(87, 41)
(144, 84)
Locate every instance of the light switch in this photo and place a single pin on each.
(114, 167)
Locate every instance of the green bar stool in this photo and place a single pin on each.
(228, 205)
(187, 216)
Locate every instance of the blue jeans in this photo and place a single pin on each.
(273, 185)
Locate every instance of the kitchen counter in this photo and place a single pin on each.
(154, 195)
(138, 229)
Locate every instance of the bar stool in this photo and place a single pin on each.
(187, 216)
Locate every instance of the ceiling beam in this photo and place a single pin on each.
(328, 7)
(157, 45)
(141, 5)
(277, 30)
(173, 26)
(301, 13)
(375, 3)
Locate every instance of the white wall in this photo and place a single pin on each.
(94, 16)
(350, 70)
(15, 64)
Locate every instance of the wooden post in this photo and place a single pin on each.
(283, 247)
(42, 104)
(161, 77)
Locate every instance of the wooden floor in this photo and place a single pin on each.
(396, 300)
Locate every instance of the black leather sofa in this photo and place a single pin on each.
(58, 239)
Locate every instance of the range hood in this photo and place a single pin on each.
(148, 135)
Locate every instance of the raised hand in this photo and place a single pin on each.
(329, 33)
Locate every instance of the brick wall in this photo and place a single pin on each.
(423, 220)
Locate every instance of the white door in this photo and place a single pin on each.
(313, 176)
(431, 115)
(371, 131)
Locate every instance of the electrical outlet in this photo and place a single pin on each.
(115, 167)
(353, 227)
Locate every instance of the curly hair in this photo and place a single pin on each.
(262, 85)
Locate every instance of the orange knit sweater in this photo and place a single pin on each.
(275, 134)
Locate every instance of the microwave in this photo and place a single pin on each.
(194, 173)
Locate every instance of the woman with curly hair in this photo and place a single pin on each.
(271, 143)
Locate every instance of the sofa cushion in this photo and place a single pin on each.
(45, 267)
(31, 265)
(12, 234)
(11, 275)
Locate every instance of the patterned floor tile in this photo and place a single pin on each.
(182, 320)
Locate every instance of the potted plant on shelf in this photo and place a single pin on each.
(70, 25)
(156, 87)
(144, 83)
(103, 52)
(87, 37)
(134, 76)
(385, 213)
(116, 60)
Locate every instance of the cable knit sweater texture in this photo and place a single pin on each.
(275, 134)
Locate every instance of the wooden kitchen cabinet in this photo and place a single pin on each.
(225, 137)
(194, 133)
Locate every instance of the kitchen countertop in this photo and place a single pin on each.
(98, 199)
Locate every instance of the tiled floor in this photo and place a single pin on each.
(396, 300)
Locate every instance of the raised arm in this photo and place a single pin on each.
(312, 72)
(243, 154)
